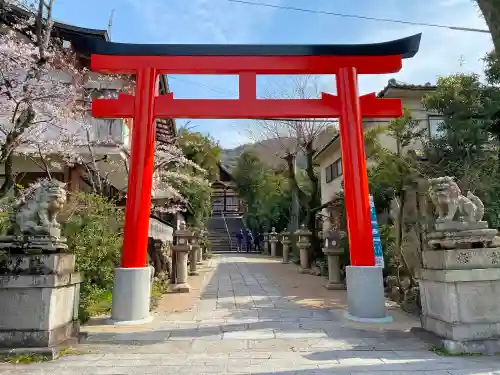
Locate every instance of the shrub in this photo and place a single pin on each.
(93, 227)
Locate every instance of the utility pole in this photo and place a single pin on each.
(110, 22)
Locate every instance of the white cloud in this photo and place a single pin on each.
(442, 51)
(202, 21)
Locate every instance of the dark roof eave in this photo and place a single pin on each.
(406, 47)
(325, 147)
(77, 30)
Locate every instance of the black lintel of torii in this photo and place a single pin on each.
(405, 47)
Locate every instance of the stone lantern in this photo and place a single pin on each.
(193, 254)
(303, 243)
(333, 251)
(273, 239)
(181, 249)
(285, 241)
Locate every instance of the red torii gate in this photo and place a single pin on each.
(246, 61)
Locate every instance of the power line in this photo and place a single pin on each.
(325, 12)
(213, 88)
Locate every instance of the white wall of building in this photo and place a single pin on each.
(412, 100)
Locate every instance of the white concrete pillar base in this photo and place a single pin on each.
(365, 295)
(131, 296)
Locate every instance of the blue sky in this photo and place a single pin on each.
(218, 21)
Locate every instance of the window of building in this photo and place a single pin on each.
(435, 130)
(329, 174)
(333, 171)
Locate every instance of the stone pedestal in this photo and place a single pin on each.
(273, 240)
(460, 298)
(334, 277)
(181, 269)
(285, 241)
(303, 244)
(181, 249)
(333, 251)
(193, 261)
(39, 298)
(273, 247)
(265, 250)
(199, 255)
(460, 279)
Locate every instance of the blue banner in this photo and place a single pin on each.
(377, 243)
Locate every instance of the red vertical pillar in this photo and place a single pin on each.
(354, 169)
(140, 180)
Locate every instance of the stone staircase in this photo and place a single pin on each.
(218, 236)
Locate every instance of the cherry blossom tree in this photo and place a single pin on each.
(40, 88)
(44, 114)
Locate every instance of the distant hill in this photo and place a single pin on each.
(271, 150)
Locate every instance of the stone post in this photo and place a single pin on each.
(193, 254)
(199, 251)
(181, 249)
(460, 279)
(333, 251)
(265, 251)
(303, 243)
(285, 241)
(273, 239)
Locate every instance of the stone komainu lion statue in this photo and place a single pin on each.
(451, 205)
(35, 212)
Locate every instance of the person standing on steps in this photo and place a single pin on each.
(248, 240)
(239, 240)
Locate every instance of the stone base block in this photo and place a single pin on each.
(461, 305)
(460, 331)
(334, 286)
(305, 270)
(179, 288)
(491, 347)
(39, 310)
(23, 339)
(50, 353)
(193, 273)
(131, 295)
(365, 294)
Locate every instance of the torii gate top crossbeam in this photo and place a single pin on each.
(247, 61)
(374, 58)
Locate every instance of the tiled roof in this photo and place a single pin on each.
(393, 84)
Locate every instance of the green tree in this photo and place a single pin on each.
(468, 143)
(204, 151)
(267, 193)
(201, 149)
(462, 147)
(396, 172)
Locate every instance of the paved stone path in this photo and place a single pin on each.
(247, 321)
